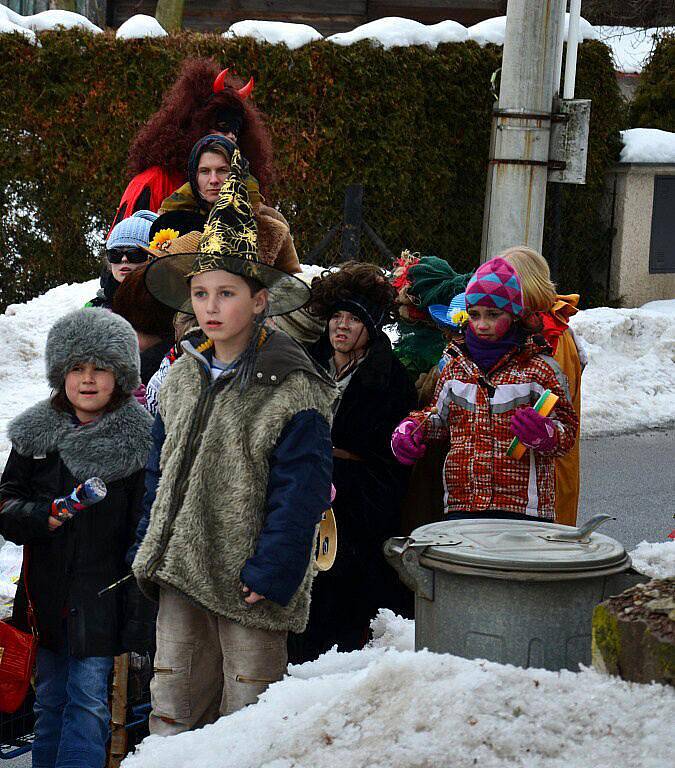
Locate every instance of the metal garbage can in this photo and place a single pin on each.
(513, 591)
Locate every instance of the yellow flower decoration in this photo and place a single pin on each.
(461, 317)
(162, 239)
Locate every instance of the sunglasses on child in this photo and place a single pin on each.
(134, 255)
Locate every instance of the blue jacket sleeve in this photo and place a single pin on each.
(298, 491)
(152, 475)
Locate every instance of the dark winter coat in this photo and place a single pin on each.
(367, 503)
(151, 358)
(104, 295)
(51, 454)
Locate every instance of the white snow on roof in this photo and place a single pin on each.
(629, 381)
(647, 145)
(139, 26)
(655, 560)
(384, 706)
(631, 47)
(47, 20)
(394, 31)
(274, 32)
(494, 30)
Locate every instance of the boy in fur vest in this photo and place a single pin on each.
(238, 478)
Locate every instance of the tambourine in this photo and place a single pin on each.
(326, 541)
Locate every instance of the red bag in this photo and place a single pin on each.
(17, 655)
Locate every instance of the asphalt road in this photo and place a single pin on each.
(631, 477)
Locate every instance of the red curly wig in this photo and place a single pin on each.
(187, 113)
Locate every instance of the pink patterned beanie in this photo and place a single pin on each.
(496, 284)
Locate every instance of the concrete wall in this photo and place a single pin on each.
(632, 188)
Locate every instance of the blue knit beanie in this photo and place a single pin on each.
(132, 232)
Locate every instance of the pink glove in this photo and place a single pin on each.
(407, 445)
(332, 493)
(139, 394)
(534, 430)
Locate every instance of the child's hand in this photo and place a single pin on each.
(53, 523)
(252, 597)
(407, 442)
(534, 430)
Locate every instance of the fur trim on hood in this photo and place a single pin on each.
(96, 336)
(114, 446)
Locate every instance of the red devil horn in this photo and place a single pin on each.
(245, 92)
(219, 82)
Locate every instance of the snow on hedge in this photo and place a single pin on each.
(654, 560)
(394, 31)
(629, 383)
(140, 26)
(275, 32)
(647, 145)
(10, 27)
(386, 706)
(494, 30)
(630, 46)
(48, 20)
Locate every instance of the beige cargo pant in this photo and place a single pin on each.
(207, 666)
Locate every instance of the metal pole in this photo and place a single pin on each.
(559, 50)
(572, 45)
(518, 169)
(353, 218)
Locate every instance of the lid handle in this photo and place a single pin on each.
(581, 534)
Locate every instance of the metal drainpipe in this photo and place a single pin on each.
(518, 170)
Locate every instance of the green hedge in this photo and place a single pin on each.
(654, 103)
(411, 124)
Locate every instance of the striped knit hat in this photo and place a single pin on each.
(496, 284)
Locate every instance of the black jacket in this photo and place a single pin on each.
(68, 567)
(367, 503)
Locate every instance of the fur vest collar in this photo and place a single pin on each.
(115, 446)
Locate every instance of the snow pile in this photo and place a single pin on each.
(385, 707)
(275, 32)
(139, 26)
(47, 20)
(647, 145)
(629, 383)
(631, 46)
(393, 31)
(655, 560)
(494, 30)
(23, 335)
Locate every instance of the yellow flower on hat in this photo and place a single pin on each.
(162, 239)
(460, 317)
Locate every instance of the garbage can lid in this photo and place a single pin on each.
(521, 545)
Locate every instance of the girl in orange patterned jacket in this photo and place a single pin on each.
(484, 398)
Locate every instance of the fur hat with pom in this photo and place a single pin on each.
(95, 336)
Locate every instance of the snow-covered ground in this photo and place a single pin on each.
(388, 707)
(656, 560)
(628, 385)
(647, 145)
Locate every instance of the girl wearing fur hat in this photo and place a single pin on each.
(484, 398)
(91, 426)
(375, 392)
